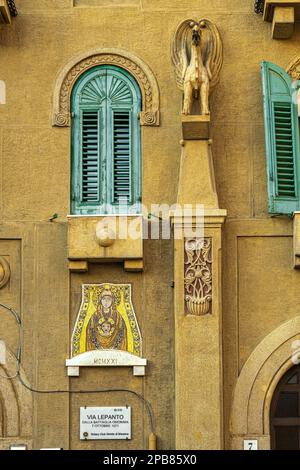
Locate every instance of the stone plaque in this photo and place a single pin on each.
(105, 423)
(104, 358)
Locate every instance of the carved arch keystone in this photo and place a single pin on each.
(77, 66)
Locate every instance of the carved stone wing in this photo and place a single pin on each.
(212, 50)
(181, 50)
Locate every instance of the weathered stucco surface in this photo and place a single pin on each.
(260, 287)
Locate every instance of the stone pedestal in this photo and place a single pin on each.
(198, 304)
(195, 127)
(197, 180)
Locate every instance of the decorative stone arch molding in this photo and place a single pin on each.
(293, 69)
(67, 78)
(256, 384)
(15, 408)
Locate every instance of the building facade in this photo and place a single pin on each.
(200, 341)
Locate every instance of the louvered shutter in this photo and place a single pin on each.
(282, 139)
(121, 158)
(106, 161)
(285, 158)
(90, 183)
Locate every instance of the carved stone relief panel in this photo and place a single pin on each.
(198, 276)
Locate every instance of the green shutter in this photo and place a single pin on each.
(90, 175)
(282, 139)
(285, 161)
(106, 150)
(122, 158)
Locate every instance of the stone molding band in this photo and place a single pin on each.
(66, 80)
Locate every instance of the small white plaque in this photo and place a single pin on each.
(105, 423)
(18, 447)
(106, 358)
(251, 444)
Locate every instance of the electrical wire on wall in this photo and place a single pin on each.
(17, 375)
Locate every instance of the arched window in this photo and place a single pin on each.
(106, 142)
(285, 412)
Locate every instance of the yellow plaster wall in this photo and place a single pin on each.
(260, 286)
(152, 300)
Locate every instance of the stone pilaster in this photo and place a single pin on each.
(198, 302)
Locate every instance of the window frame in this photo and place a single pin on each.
(280, 204)
(106, 204)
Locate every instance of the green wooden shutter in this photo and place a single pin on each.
(90, 171)
(122, 158)
(282, 139)
(106, 150)
(285, 158)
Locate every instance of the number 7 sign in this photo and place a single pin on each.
(250, 445)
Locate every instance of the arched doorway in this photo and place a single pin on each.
(285, 412)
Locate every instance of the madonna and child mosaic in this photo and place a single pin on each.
(106, 320)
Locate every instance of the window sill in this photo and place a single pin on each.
(101, 216)
(100, 238)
